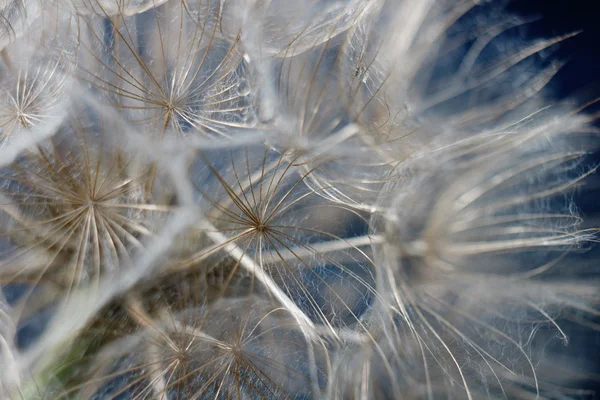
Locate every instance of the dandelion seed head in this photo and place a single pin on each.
(279, 199)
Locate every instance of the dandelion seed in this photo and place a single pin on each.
(467, 278)
(36, 75)
(259, 204)
(170, 69)
(191, 355)
(15, 18)
(76, 208)
(33, 99)
(283, 24)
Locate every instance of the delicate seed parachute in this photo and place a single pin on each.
(354, 199)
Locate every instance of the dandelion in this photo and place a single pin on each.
(366, 199)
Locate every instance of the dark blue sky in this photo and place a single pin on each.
(583, 51)
(580, 77)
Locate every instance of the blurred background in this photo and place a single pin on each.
(580, 74)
